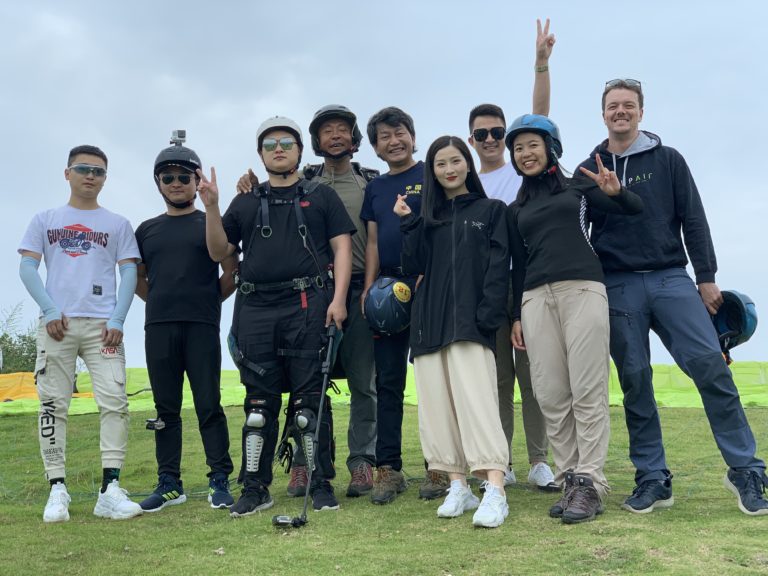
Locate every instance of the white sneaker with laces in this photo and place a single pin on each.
(57, 507)
(458, 501)
(493, 509)
(115, 504)
(509, 477)
(541, 476)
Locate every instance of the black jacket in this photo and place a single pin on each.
(465, 263)
(653, 240)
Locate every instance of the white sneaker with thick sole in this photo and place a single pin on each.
(493, 509)
(115, 504)
(542, 477)
(509, 477)
(57, 507)
(457, 502)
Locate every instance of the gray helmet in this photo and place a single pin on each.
(276, 123)
(330, 112)
(178, 155)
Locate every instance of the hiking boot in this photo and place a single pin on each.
(650, 495)
(557, 509)
(584, 503)
(114, 503)
(749, 488)
(57, 507)
(459, 500)
(254, 498)
(218, 492)
(436, 485)
(362, 480)
(493, 509)
(297, 485)
(323, 497)
(169, 492)
(541, 476)
(389, 483)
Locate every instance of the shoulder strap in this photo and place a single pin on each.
(368, 174)
(313, 170)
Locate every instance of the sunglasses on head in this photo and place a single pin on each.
(85, 169)
(169, 178)
(480, 134)
(270, 144)
(618, 82)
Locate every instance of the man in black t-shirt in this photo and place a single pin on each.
(183, 291)
(291, 234)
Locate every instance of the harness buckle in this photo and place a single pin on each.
(266, 231)
(246, 288)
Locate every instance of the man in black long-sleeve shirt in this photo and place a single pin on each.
(644, 259)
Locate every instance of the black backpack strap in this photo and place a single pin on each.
(313, 170)
(368, 174)
(305, 189)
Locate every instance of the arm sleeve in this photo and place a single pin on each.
(491, 310)
(30, 277)
(625, 202)
(519, 260)
(413, 256)
(690, 211)
(128, 273)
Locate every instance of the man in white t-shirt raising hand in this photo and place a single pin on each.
(82, 314)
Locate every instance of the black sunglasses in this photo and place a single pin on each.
(619, 82)
(480, 134)
(169, 178)
(85, 169)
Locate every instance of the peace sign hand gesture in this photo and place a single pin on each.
(606, 179)
(544, 42)
(208, 190)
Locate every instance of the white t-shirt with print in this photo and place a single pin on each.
(502, 184)
(81, 249)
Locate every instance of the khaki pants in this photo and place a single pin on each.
(566, 330)
(459, 421)
(507, 367)
(55, 373)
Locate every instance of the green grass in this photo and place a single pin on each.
(704, 533)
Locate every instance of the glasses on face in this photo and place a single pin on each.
(85, 169)
(169, 178)
(270, 144)
(619, 82)
(480, 134)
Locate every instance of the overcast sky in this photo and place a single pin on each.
(123, 75)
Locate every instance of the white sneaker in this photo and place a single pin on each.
(509, 477)
(493, 509)
(115, 504)
(542, 477)
(457, 502)
(57, 507)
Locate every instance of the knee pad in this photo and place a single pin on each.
(256, 434)
(306, 421)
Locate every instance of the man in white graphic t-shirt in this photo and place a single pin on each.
(501, 181)
(82, 314)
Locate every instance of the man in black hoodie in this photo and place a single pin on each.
(644, 259)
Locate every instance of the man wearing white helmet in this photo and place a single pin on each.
(292, 234)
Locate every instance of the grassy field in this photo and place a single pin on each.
(704, 533)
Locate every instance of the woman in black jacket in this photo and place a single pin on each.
(561, 307)
(459, 245)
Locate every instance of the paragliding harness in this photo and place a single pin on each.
(313, 170)
(299, 284)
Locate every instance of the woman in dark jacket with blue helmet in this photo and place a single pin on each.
(561, 307)
(459, 245)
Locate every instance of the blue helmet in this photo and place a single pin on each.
(736, 319)
(537, 124)
(388, 305)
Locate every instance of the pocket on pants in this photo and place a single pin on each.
(114, 356)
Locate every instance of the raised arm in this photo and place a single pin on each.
(215, 237)
(541, 85)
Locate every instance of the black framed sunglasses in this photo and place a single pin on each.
(619, 82)
(85, 169)
(270, 144)
(169, 178)
(481, 134)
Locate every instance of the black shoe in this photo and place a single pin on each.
(169, 492)
(749, 488)
(253, 499)
(323, 497)
(557, 509)
(584, 503)
(650, 495)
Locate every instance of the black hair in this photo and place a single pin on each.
(552, 181)
(391, 116)
(86, 149)
(434, 202)
(486, 110)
